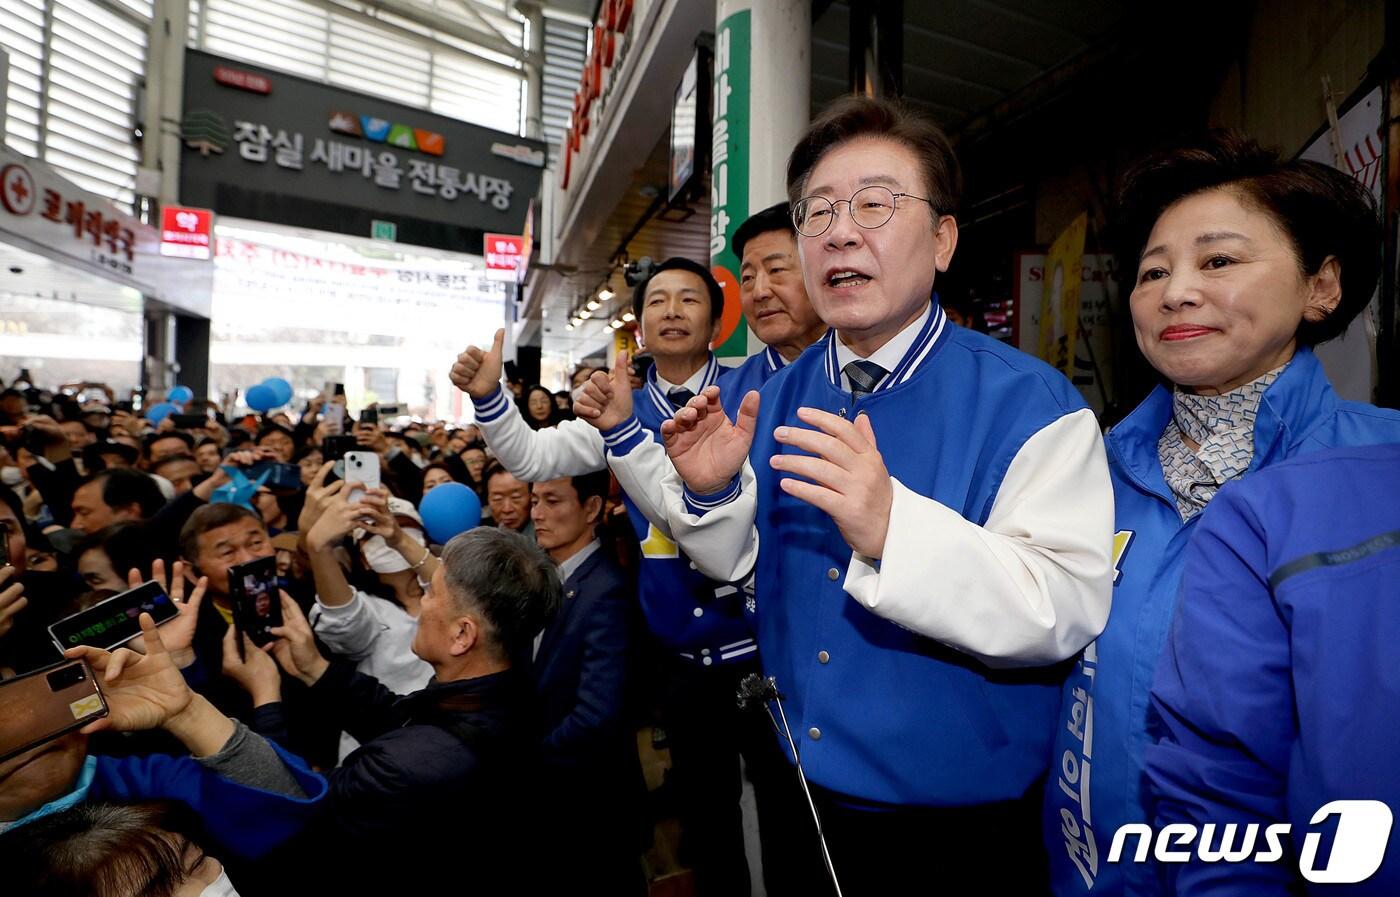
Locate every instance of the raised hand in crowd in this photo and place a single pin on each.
(44, 434)
(605, 400)
(295, 648)
(12, 599)
(340, 516)
(318, 498)
(371, 436)
(147, 691)
(707, 450)
(178, 634)
(477, 372)
(379, 520)
(253, 668)
(240, 459)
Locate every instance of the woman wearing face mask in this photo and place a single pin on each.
(373, 620)
(114, 850)
(1243, 264)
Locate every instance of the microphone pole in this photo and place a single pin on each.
(762, 691)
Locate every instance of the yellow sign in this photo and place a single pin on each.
(625, 340)
(1059, 304)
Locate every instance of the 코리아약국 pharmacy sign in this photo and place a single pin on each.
(301, 153)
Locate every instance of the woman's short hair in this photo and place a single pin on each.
(1323, 211)
(853, 117)
(103, 850)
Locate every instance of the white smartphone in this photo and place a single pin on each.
(361, 468)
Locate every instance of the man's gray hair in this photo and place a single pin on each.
(505, 577)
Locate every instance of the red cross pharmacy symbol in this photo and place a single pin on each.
(17, 191)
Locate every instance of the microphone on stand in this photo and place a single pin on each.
(762, 691)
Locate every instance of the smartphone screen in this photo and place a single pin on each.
(42, 705)
(112, 623)
(333, 414)
(256, 605)
(369, 416)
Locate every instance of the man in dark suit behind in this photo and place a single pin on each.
(592, 779)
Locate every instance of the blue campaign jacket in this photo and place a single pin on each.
(246, 820)
(1104, 705)
(1277, 692)
(709, 624)
(900, 719)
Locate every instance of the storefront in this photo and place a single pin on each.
(350, 237)
(79, 278)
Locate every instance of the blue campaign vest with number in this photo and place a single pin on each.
(1096, 781)
(700, 619)
(884, 715)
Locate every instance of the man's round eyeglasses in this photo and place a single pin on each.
(870, 207)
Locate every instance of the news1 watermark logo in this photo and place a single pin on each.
(1358, 847)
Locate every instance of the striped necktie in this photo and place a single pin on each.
(864, 376)
(678, 396)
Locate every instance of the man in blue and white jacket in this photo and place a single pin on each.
(1276, 693)
(913, 596)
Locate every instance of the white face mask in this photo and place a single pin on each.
(11, 476)
(221, 887)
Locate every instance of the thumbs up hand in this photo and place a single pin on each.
(478, 373)
(605, 400)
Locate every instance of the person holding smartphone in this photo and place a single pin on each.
(251, 794)
(442, 770)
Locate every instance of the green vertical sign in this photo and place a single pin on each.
(729, 172)
(383, 230)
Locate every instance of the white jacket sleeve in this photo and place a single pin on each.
(349, 629)
(1033, 585)
(640, 471)
(716, 531)
(569, 449)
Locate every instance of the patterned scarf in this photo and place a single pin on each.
(1223, 427)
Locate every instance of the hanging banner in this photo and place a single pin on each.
(1059, 304)
(1099, 307)
(729, 177)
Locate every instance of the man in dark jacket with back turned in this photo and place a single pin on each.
(437, 795)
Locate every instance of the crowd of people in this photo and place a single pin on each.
(993, 636)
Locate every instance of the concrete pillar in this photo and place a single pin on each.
(761, 100)
(165, 89)
(534, 69)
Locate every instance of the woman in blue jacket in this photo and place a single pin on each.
(1245, 263)
(1278, 686)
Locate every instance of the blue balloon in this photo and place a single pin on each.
(180, 395)
(449, 509)
(261, 398)
(281, 388)
(160, 411)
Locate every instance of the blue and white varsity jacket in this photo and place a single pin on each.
(897, 672)
(1096, 781)
(1277, 691)
(701, 619)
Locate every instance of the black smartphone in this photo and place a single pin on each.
(333, 448)
(369, 416)
(191, 421)
(386, 411)
(641, 364)
(112, 623)
(280, 477)
(45, 704)
(256, 605)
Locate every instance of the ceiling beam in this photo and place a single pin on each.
(439, 22)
